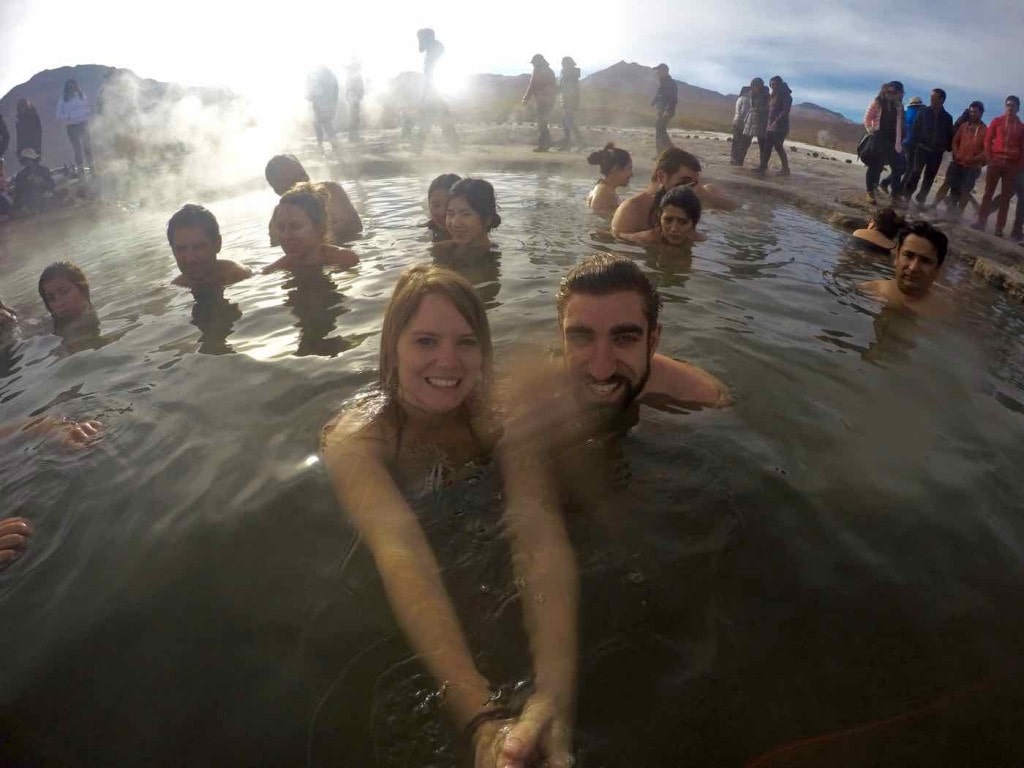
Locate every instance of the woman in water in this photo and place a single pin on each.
(433, 417)
(674, 220)
(616, 167)
(74, 110)
(471, 215)
(64, 290)
(881, 232)
(438, 195)
(302, 225)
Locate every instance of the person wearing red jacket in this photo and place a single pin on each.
(968, 159)
(1004, 148)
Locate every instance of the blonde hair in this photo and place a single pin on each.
(315, 202)
(413, 285)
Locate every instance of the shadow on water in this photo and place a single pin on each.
(482, 270)
(215, 317)
(316, 302)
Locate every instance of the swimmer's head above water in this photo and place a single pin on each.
(677, 211)
(615, 164)
(194, 235)
(64, 290)
(472, 212)
(283, 172)
(919, 258)
(608, 314)
(676, 166)
(435, 349)
(438, 195)
(302, 219)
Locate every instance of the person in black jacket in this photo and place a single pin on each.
(28, 128)
(932, 138)
(665, 101)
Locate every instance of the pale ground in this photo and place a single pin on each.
(828, 183)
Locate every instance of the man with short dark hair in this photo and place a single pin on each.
(194, 235)
(665, 100)
(968, 159)
(932, 138)
(919, 259)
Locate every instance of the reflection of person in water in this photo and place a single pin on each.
(438, 195)
(919, 258)
(302, 224)
(435, 419)
(64, 290)
(674, 219)
(194, 235)
(215, 317)
(285, 171)
(317, 303)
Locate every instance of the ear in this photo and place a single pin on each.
(217, 245)
(655, 339)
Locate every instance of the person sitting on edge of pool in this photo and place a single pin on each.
(922, 251)
(64, 290)
(194, 236)
(616, 166)
(881, 232)
(674, 219)
(433, 417)
(472, 213)
(675, 166)
(285, 171)
(438, 195)
(303, 223)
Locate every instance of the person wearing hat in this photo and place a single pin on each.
(543, 88)
(569, 93)
(33, 186)
(665, 100)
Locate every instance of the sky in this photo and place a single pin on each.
(834, 53)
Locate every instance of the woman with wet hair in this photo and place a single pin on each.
(64, 290)
(302, 225)
(616, 166)
(881, 232)
(471, 215)
(438, 194)
(431, 421)
(674, 219)
(74, 110)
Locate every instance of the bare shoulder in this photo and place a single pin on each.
(632, 215)
(333, 256)
(603, 200)
(876, 288)
(181, 281)
(685, 382)
(358, 430)
(229, 272)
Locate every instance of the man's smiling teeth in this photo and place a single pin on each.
(604, 389)
(436, 381)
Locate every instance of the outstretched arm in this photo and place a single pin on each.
(685, 383)
(408, 569)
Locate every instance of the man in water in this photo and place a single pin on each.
(285, 171)
(431, 105)
(665, 100)
(322, 91)
(919, 258)
(194, 235)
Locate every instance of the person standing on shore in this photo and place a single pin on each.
(322, 92)
(883, 119)
(354, 92)
(892, 183)
(665, 100)
(931, 139)
(779, 104)
(74, 110)
(542, 88)
(968, 159)
(569, 93)
(740, 140)
(1004, 148)
(5, 136)
(431, 105)
(28, 128)
(756, 125)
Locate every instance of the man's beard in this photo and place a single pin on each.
(630, 393)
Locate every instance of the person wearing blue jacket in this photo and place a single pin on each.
(931, 137)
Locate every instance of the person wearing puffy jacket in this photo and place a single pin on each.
(543, 88)
(74, 110)
(569, 93)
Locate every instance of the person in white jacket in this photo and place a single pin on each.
(75, 110)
